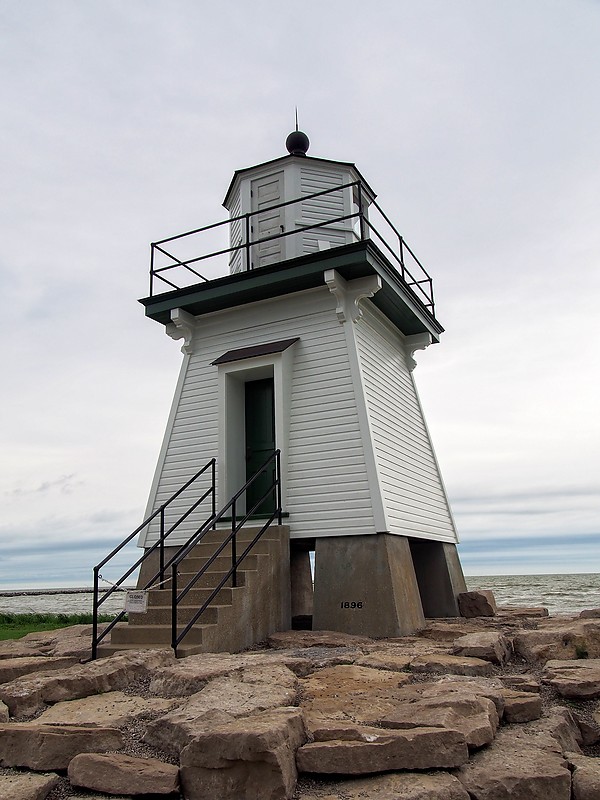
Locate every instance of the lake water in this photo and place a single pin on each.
(560, 594)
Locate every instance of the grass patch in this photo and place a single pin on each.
(14, 626)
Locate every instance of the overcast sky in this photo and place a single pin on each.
(478, 125)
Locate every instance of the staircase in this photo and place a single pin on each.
(223, 589)
(236, 618)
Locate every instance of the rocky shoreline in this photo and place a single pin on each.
(480, 708)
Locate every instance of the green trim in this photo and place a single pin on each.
(395, 299)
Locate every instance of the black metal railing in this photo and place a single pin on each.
(273, 493)
(158, 578)
(181, 271)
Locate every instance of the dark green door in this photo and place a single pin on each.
(260, 442)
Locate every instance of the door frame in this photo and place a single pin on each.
(231, 463)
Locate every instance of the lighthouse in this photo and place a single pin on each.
(297, 386)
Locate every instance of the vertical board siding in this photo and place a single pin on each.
(235, 235)
(321, 209)
(412, 489)
(327, 487)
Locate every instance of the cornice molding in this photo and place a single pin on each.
(348, 294)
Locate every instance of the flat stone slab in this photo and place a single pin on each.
(114, 773)
(108, 709)
(248, 757)
(516, 768)
(475, 717)
(458, 665)
(359, 750)
(301, 639)
(400, 786)
(11, 668)
(488, 645)
(350, 692)
(576, 680)
(189, 675)
(586, 776)
(385, 660)
(246, 692)
(560, 639)
(51, 747)
(26, 786)
(521, 706)
(31, 693)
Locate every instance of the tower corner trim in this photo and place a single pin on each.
(182, 326)
(348, 294)
(419, 341)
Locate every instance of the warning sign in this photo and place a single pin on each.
(136, 602)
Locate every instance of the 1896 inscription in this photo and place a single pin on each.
(351, 604)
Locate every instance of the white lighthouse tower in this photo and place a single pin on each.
(304, 348)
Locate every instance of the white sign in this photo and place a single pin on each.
(136, 602)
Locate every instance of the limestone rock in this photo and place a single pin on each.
(245, 692)
(560, 725)
(12, 668)
(475, 717)
(108, 709)
(251, 758)
(4, 715)
(395, 786)
(29, 694)
(115, 774)
(521, 706)
(516, 767)
(385, 660)
(189, 675)
(488, 645)
(477, 604)
(298, 639)
(586, 776)
(522, 683)
(520, 612)
(50, 747)
(75, 640)
(26, 786)
(448, 630)
(590, 613)
(590, 731)
(576, 640)
(360, 750)
(360, 694)
(455, 687)
(576, 680)
(458, 665)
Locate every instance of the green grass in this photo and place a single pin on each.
(14, 626)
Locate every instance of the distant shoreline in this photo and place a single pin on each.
(36, 592)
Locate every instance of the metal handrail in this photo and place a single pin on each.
(415, 283)
(158, 545)
(236, 524)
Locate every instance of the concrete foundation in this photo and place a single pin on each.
(439, 576)
(301, 582)
(366, 585)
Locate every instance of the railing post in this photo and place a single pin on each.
(233, 546)
(278, 477)
(161, 547)
(95, 617)
(214, 490)
(401, 257)
(360, 214)
(248, 264)
(151, 268)
(174, 609)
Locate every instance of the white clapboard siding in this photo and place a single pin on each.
(327, 487)
(413, 493)
(236, 258)
(315, 179)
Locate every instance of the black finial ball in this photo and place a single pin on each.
(297, 143)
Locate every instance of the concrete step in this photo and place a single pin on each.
(195, 597)
(161, 615)
(244, 534)
(206, 549)
(207, 581)
(136, 636)
(191, 566)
